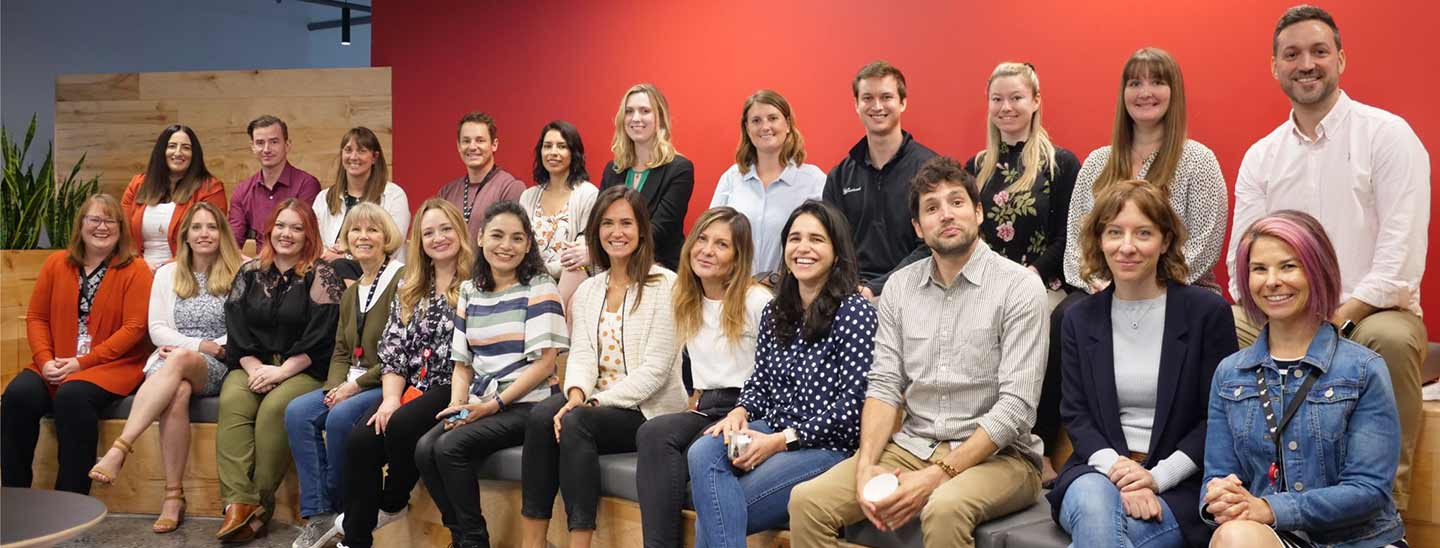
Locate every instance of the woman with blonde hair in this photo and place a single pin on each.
(717, 314)
(770, 177)
(187, 323)
(362, 176)
(319, 422)
(646, 161)
(86, 328)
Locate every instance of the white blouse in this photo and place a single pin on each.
(155, 232)
(393, 201)
(716, 362)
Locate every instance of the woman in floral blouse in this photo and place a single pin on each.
(1025, 187)
(415, 362)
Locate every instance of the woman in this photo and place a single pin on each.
(624, 368)
(187, 321)
(416, 368)
(646, 161)
(1135, 356)
(771, 151)
(156, 201)
(559, 205)
(1149, 142)
(513, 327)
(1341, 441)
(801, 408)
(362, 176)
(318, 422)
(1026, 182)
(280, 318)
(717, 313)
(86, 328)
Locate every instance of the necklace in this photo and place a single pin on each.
(1135, 318)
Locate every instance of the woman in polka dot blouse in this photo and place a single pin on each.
(801, 407)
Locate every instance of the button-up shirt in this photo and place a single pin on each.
(963, 355)
(252, 202)
(1366, 178)
(768, 207)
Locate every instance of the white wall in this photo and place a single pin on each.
(40, 39)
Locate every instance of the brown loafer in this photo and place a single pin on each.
(237, 515)
(253, 529)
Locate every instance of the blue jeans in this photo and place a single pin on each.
(317, 440)
(730, 504)
(1094, 516)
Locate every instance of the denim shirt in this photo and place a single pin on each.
(1341, 449)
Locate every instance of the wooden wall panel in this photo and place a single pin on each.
(115, 118)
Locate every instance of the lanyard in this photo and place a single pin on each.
(468, 199)
(87, 298)
(360, 313)
(1277, 467)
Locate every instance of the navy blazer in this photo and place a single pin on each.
(1199, 332)
(667, 193)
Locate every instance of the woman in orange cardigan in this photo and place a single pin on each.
(87, 329)
(156, 201)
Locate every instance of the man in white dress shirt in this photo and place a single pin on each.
(1365, 175)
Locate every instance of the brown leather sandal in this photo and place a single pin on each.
(167, 525)
(109, 477)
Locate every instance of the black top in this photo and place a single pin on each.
(1199, 332)
(667, 193)
(272, 315)
(1028, 226)
(876, 202)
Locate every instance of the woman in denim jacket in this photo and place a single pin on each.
(1332, 486)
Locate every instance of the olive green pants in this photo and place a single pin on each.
(252, 452)
(1398, 336)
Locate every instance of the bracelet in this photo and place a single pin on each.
(499, 403)
(949, 470)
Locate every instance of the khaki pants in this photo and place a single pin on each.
(252, 452)
(1003, 484)
(1399, 337)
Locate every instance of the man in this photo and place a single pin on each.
(869, 183)
(484, 182)
(1365, 175)
(961, 346)
(277, 181)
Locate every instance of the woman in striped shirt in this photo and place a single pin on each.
(512, 328)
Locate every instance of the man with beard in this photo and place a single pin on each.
(961, 346)
(1365, 175)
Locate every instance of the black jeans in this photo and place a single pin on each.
(572, 465)
(448, 460)
(1047, 414)
(663, 442)
(76, 406)
(367, 487)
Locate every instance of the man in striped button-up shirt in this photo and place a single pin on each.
(961, 345)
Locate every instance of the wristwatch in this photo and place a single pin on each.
(792, 439)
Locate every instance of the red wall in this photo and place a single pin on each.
(531, 61)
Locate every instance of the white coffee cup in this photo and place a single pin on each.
(881, 486)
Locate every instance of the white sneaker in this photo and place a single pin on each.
(384, 518)
(339, 527)
(318, 531)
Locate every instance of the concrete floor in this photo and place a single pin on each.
(133, 531)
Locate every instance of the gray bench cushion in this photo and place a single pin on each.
(617, 472)
(1040, 535)
(202, 410)
(991, 534)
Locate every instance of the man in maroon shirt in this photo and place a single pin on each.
(484, 183)
(277, 180)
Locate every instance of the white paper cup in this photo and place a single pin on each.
(880, 487)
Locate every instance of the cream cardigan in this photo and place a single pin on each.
(162, 317)
(652, 357)
(582, 200)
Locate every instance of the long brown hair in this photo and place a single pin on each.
(689, 294)
(379, 173)
(124, 250)
(637, 268)
(221, 271)
(1039, 152)
(155, 188)
(1147, 63)
(309, 253)
(419, 279)
(1152, 203)
(791, 152)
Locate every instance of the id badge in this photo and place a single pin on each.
(354, 373)
(82, 345)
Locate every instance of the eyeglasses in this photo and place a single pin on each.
(93, 220)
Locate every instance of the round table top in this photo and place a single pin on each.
(42, 517)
